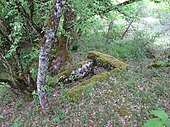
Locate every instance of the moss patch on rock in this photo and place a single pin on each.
(157, 64)
(74, 94)
(123, 111)
(106, 61)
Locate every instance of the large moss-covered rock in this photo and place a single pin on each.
(106, 61)
(100, 65)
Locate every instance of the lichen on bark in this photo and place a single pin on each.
(43, 66)
(49, 37)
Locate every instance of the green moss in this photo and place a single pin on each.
(64, 73)
(74, 94)
(95, 78)
(123, 111)
(106, 60)
(164, 63)
(83, 62)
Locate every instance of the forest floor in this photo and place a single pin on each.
(124, 100)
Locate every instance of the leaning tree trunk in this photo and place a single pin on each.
(47, 40)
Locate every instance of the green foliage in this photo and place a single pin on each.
(17, 123)
(160, 114)
(133, 47)
(42, 12)
(59, 117)
(89, 90)
(160, 121)
(92, 41)
(165, 63)
(21, 24)
(18, 105)
(129, 90)
(84, 117)
(56, 119)
(35, 98)
(154, 123)
(63, 84)
(45, 122)
(1, 117)
(154, 72)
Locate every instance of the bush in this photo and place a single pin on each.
(133, 47)
(93, 41)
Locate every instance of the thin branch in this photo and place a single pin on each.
(116, 7)
(10, 83)
(29, 20)
(108, 31)
(130, 23)
(31, 8)
(7, 64)
(4, 25)
(5, 36)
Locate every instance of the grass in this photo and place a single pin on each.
(124, 100)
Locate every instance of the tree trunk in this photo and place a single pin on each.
(47, 40)
(63, 55)
(43, 66)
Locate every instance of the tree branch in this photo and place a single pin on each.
(116, 7)
(6, 37)
(10, 83)
(5, 26)
(130, 24)
(31, 7)
(28, 18)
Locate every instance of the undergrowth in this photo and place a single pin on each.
(124, 100)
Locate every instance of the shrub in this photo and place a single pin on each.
(133, 47)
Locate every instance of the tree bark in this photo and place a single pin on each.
(63, 56)
(49, 37)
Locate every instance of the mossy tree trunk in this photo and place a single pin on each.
(66, 39)
(49, 37)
